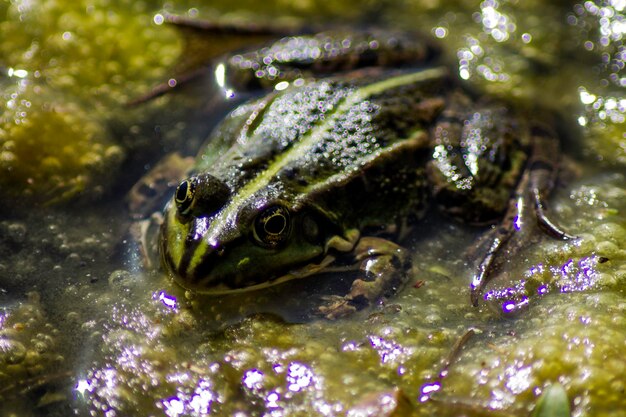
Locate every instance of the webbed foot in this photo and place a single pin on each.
(381, 272)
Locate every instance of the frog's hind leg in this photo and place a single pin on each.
(204, 41)
(532, 191)
(499, 236)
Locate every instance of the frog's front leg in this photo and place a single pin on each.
(382, 269)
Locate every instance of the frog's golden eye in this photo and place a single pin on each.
(273, 226)
(200, 196)
(184, 196)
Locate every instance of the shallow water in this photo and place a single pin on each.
(84, 331)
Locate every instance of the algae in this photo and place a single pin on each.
(107, 338)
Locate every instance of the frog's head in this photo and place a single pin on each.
(215, 242)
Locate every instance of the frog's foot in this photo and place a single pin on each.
(336, 306)
(433, 386)
(483, 274)
(166, 87)
(382, 270)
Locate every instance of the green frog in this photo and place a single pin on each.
(359, 134)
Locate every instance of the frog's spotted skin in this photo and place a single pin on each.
(307, 179)
(325, 53)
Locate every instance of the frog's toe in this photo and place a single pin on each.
(337, 307)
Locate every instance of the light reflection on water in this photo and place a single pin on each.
(610, 35)
(572, 276)
(168, 301)
(604, 24)
(197, 403)
(473, 58)
(496, 23)
(602, 108)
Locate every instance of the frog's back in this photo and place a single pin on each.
(308, 143)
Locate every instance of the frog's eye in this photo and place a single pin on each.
(184, 196)
(272, 226)
(200, 195)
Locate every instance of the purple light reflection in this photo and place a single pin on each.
(168, 301)
(253, 379)
(542, 290)
(428, 389)
(513, 306)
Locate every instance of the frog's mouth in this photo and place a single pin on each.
(211, 278)
(224, 288)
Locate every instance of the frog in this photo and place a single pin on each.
(356, 137)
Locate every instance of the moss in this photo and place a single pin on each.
(607, 140)
(101, 52)
(52, 149)
(28, 348)
(70, 68)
